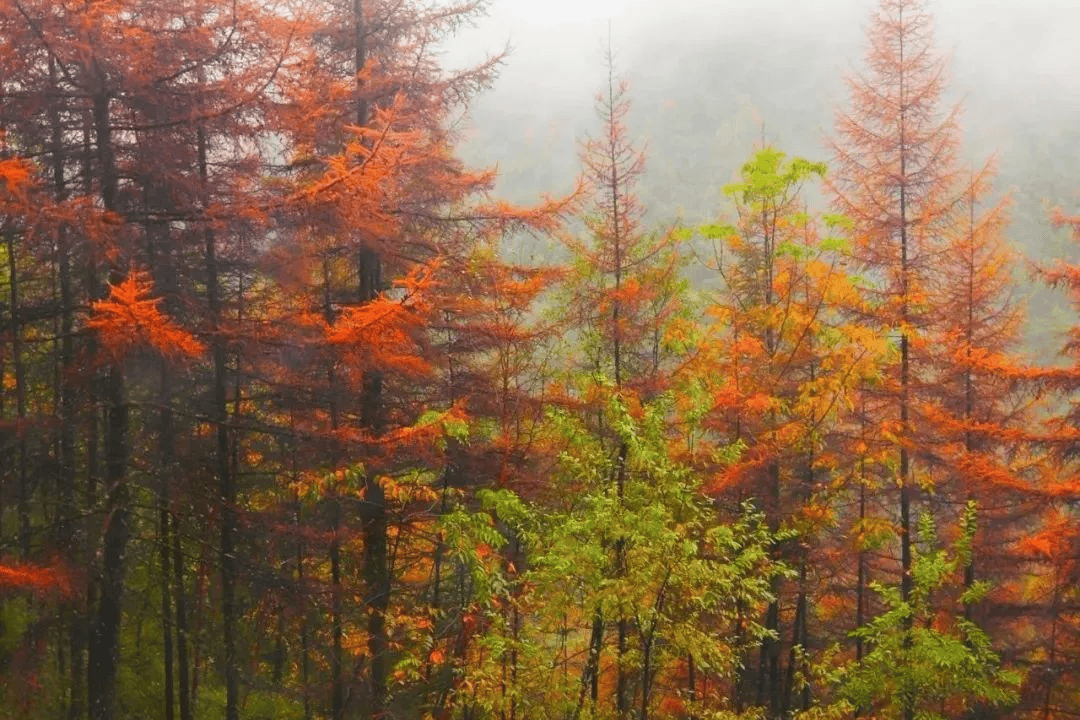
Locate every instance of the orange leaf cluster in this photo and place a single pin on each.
(14, 176)
(40, 580)
(130, 319)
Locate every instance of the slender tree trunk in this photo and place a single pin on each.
(906, 580)
(691, 684)
(648, 642)
(376, 567)
(67, 536)
(374, 529)
(336, 629)
(862, 575)
(164, 552)
(202, 574)
(105, 626)
(590, 673)
(337, 684)
(167, 458)
(160, 254)
(227, 499)
(377, 592)
(222, 462)
(768, 663)
(21, 470)
(183, 672)
(515, 629)
(798, 640)
(82, 633)
(646, 678)
(376, 570)
(740, 691)
(861, 579)
(305, 642)
(1051, 660)
(969, 379)
(769, 691)
(799, 631)
(622, 700)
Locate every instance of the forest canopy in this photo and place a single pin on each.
(289, 431)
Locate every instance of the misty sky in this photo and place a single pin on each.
(705, 75)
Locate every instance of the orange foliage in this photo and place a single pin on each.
(672, 706)
(130, 319)
(14, 175)
(379, 334)
(40, 580)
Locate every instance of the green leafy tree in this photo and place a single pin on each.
(622, 294)
(781, 365)
(923, 662)
(687, 579)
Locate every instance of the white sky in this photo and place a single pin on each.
(541, 12)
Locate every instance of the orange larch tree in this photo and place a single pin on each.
(976, 404)
(896, 180)
(1053, 687)
(623, 287)
(377, 232)
(940, 279)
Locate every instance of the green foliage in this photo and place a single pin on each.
(766, 178)
(16, 617)
(920, 661)
(680, 580)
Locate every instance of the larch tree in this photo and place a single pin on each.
(977, 405)
(624, 288)
(895, 179)
(1052, 549)
(379, 233)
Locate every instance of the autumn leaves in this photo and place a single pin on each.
(271, 376)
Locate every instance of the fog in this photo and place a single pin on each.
(710, 80)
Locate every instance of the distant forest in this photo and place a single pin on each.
(300, 420)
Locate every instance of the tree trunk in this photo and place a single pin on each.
(67, 537)
(23, 483)
(337, 683)
(183, 672)
(377, 592)
(622, 700)
(906, 580)
(105, 626)
(590, 674)
(376, 570)
(769, 690)
(164, 553)
(222, 464)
